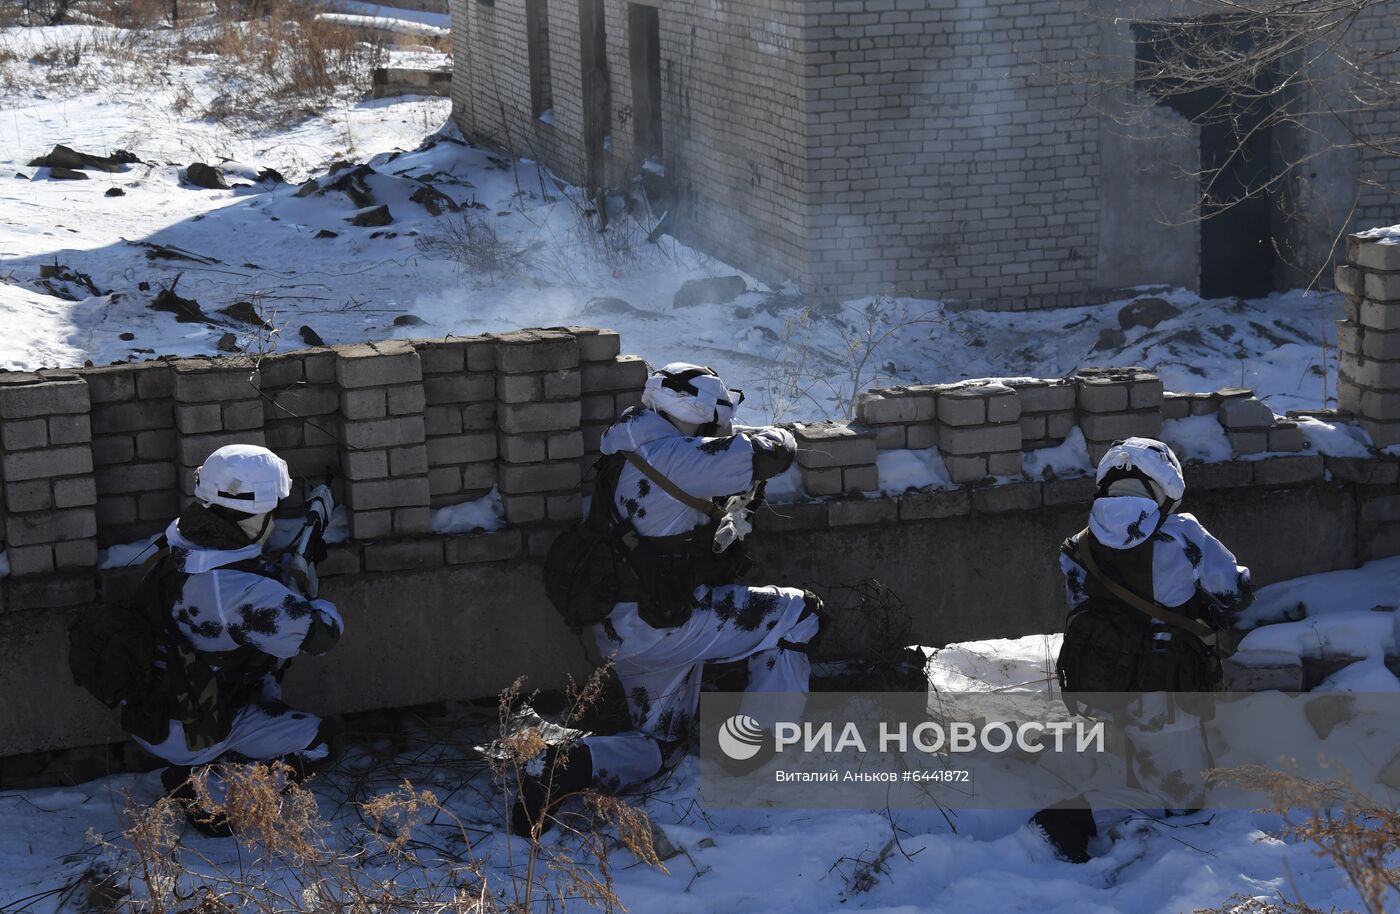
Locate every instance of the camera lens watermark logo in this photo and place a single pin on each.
(740, 737)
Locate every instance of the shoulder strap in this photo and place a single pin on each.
(1085, 554)
(703, 505)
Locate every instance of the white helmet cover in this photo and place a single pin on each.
(691, 393)
(1152, 459)
(243, 477)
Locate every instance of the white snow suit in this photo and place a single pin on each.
(660, 668)
(222, 609)
(1169, 749)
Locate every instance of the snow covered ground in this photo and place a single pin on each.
(303, 263)
(776, 861)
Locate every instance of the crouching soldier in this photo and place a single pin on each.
(668, 466)
(1148, 588)
(219, 623)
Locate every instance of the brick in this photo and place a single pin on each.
(204, 381)
(478, 475)
(153, 445)
(365, 464)
(75, 492)
(962, 406)
(1286, 436)
(405, 400)
(934, 505)
(627, 372)
(35, 495)
(377, 433)
(408, 555)
(46, 464)
(107, 449)
(154, 380)
(818, 482)
(462, 449)
(50, 526)
(157, 505)
(846, 512)
(1376, 344)
(1226, 475)
(1072, 491)
(539, 477)
(280, 370)
(304, 400)
(890, 437)
(35, 398)
(111, 385)
(377, 365)
(387, 493)
(1373, 254)
(599, 347)
(132, 417)
(1383, 434)
(242, 415)
(832, 444)
(525, 388)
(442, 420)
(115, 510)
(1145, 394)
(1248, 441)
(363, 405)
(564, 508)
(1176, 406)
(1364, 470)
(859, 479)
(463, 388)
(897, 405)
(1379, 315)
(27, 560)
(1287, 471)
(562, 385)
(75, 554)
(71, 429)
(1007, 463)
(1382, 287)
(517, 419)
(415, 520)
(24, 435)
(368, 525)
(444, 481)
(475, 548)
(981, 439)
(1114, 426)
(1245, 412)
(1032, 428)
(198, 419)
(523, 448)
(141, 477)
(442, 358)
(1003, 407)
(535, 350)
(524, 509)
(964, 469)
(566, 446)
(1018, 496)
(341, 558)
(408, 461)
(1381, 508)
(1045, 396)
(801, 515)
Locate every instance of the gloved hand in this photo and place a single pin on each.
(773, 451)
(332, 614)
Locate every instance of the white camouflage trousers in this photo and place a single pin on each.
(660, 669)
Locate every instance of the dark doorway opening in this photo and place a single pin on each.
(537, 33)
(597, 93)
(1238, 251)
(644, 42)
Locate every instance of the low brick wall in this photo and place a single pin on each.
(96, 457)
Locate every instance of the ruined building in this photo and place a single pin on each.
(958, 149)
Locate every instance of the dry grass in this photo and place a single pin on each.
(1359, 837)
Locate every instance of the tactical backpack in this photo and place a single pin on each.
(585, 571)
(603, 560)
(1109, 643)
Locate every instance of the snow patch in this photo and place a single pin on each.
(903, 469)
(484, 514)
(1068, 458)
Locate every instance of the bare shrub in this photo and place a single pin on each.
(473, 241)
(1359, 836)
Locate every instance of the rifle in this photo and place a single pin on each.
(310, 545)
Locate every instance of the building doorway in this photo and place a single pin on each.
(644, 43)
(597, 95)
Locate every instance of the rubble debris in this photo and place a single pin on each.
(326, 233)
(245, 312)
(207, 176)
(66, 158)
(433, 200)
(409, 320)
(227, 343)
(375, 216)
(1146, 312)
(126, 336)
(186, 310)
(712, 290)
(67, 174)
(114, 192)
(271, 176)
(56, 277)
(309, 188)
(155, 251)
(353, 185)
(310, 337)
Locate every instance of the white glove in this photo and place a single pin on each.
(327, 609)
